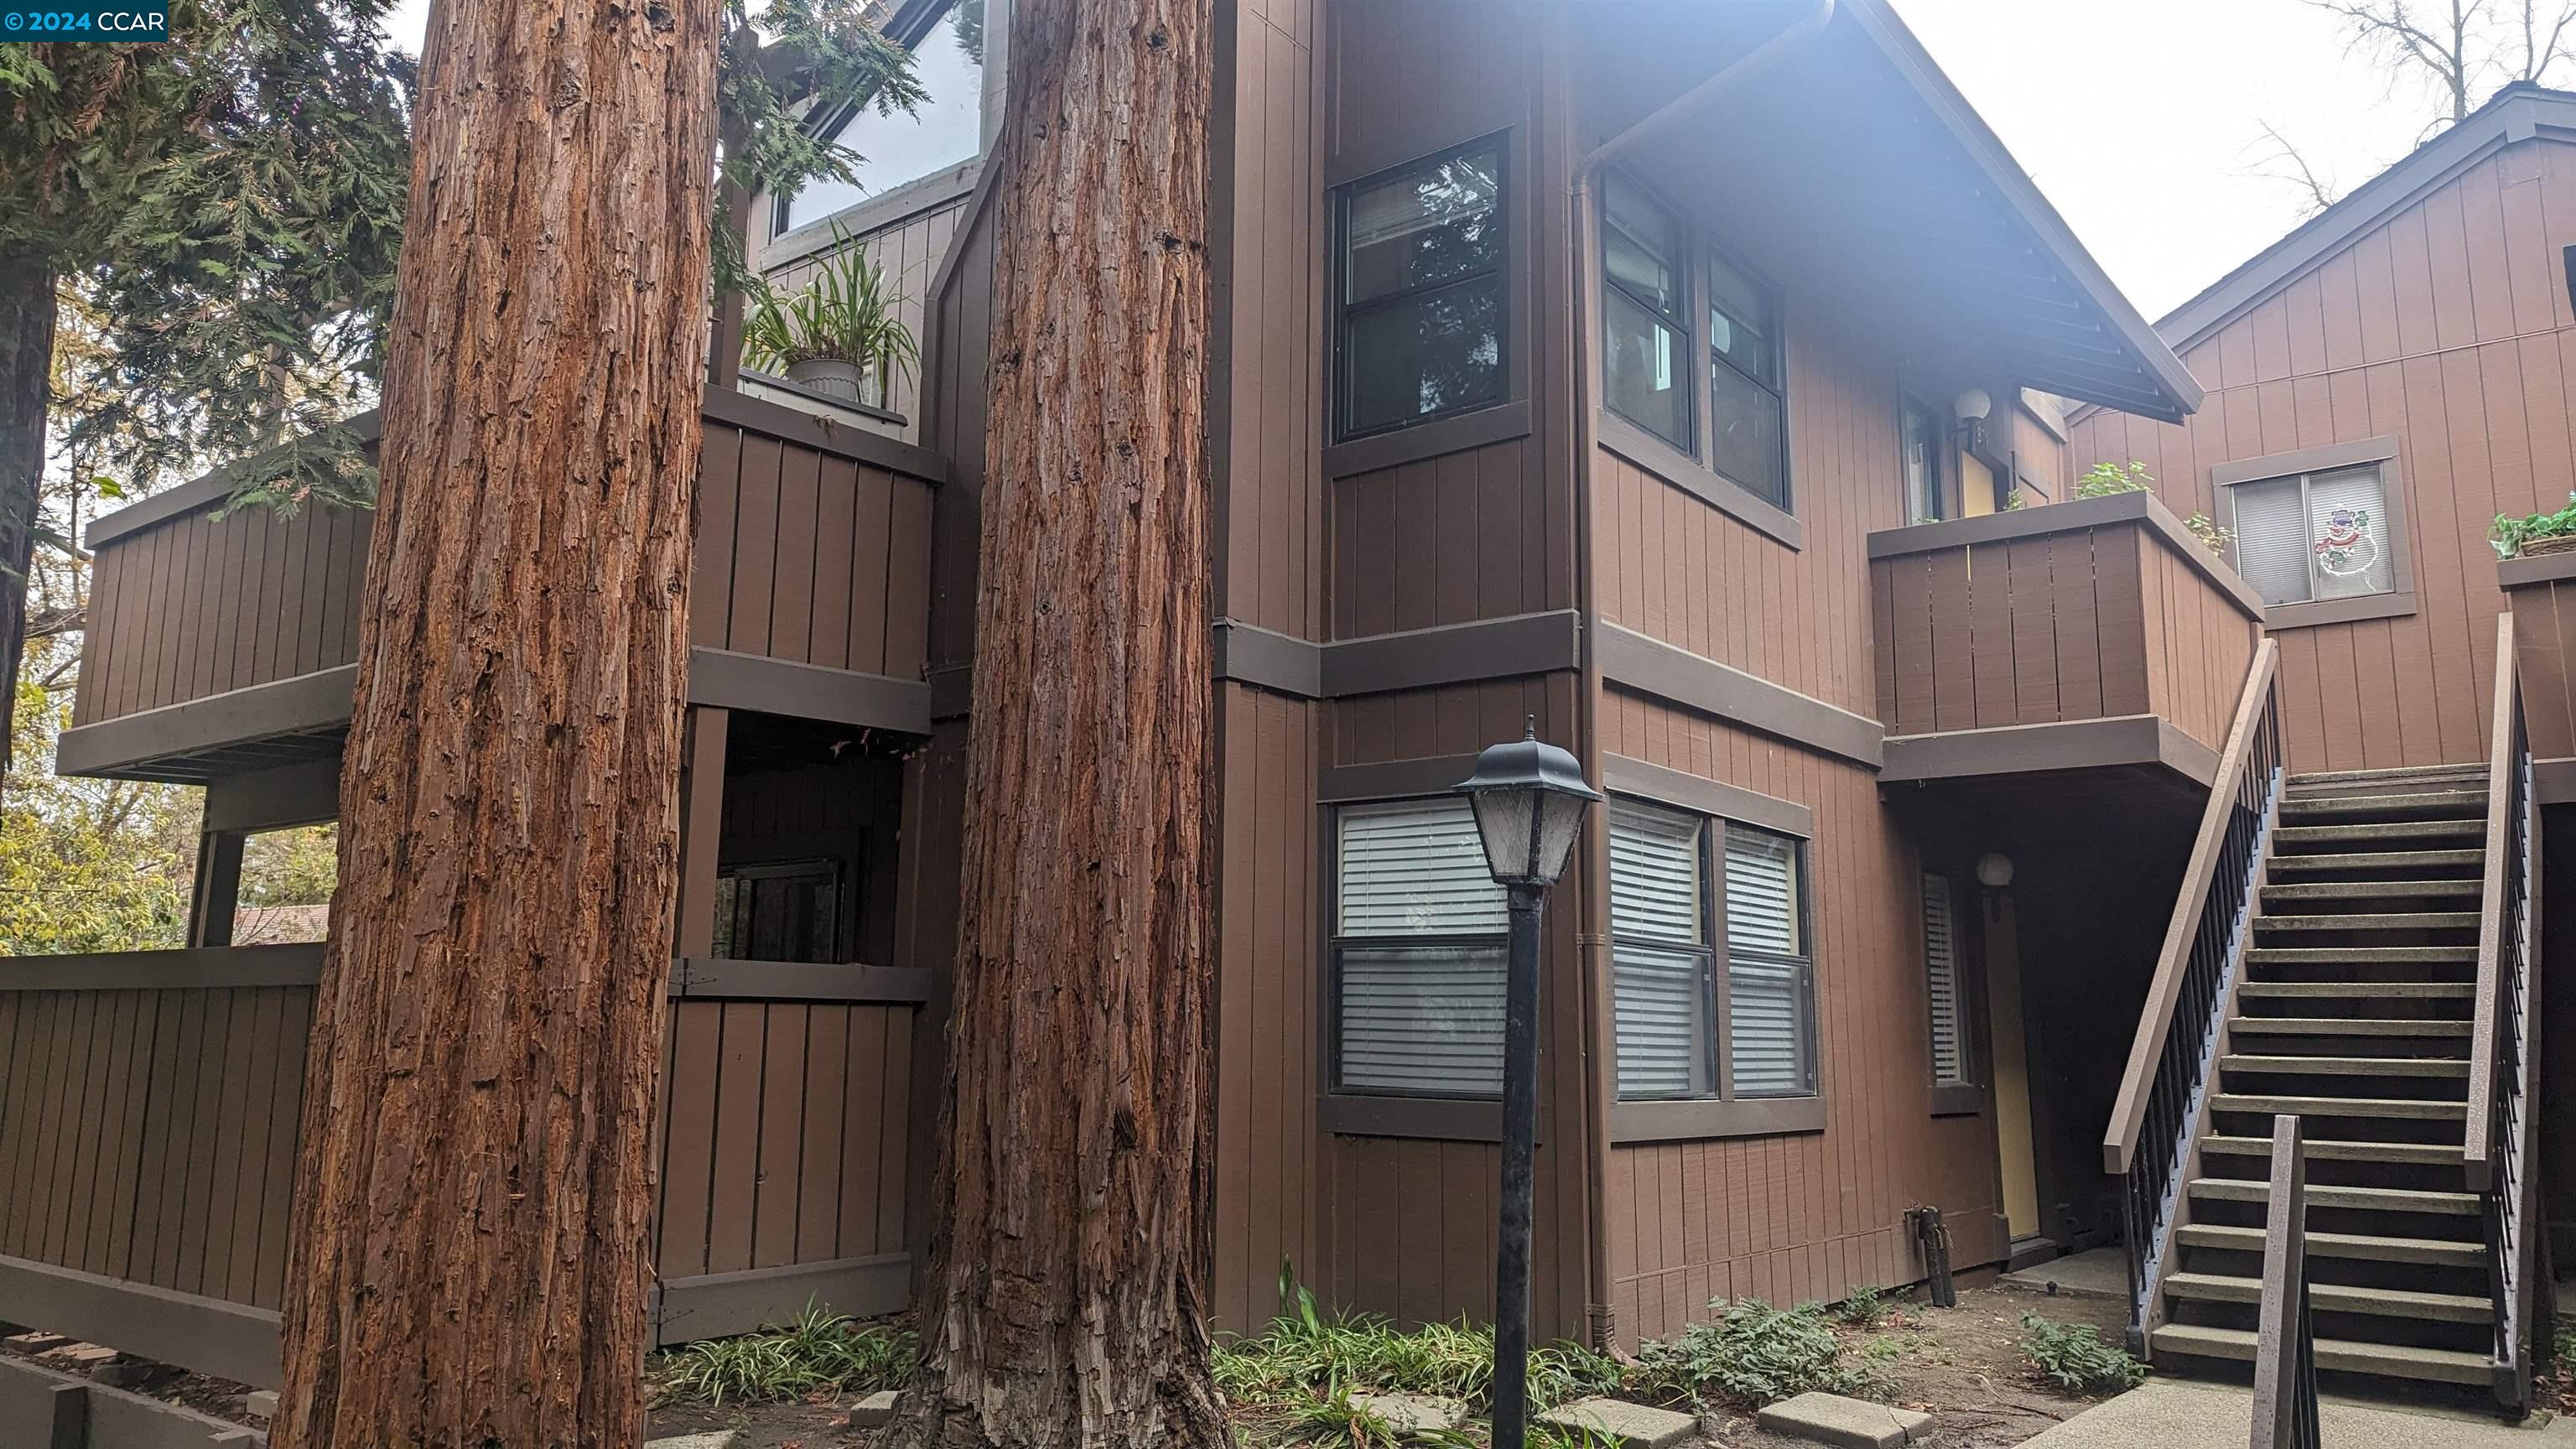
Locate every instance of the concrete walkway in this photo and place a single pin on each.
(2098, 1273)
(2170, 1415)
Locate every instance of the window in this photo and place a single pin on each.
(2315, 537)
(1659, 952)
(1418, 953)
(1747, 429)
(1421, 279)
(1924, 443)
(947, 129)
(789, 911)
(1675, 1040)
(1646, 311)
(1941, 970)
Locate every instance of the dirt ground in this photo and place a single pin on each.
(1959, 1365)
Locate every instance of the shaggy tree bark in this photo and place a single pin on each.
(26, 374)
(468, 1261)
(1066, 1300)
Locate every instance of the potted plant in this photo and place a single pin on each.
(2536, 534)
(839, 334)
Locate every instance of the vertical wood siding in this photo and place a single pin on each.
(909, 251)
(802, 555)
(2449, 326)
(1266, 1047)
(201, 605)
(2089, 623)
(150, 1135)
(1446, 540)
(1810, 1216)
(2544, 644)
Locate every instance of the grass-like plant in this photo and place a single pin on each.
(2074, 1357)
(850, 311)
(820, 1352)
(1753, 1354)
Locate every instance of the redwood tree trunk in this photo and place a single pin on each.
(1066, 1301)
(468, 1261)
(26, 371)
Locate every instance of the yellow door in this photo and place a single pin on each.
(2011, 1073)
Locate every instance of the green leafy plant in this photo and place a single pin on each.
(1865, 1306)
(2074, 1357)
(2510, 534)
(849, 312)
(819, 1352)
(2104, 479)
(2211, 536)
(1753, 1354)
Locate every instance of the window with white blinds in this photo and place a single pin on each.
(1418, 952)
(1941, 970)
(2315, 536)
(1659, 952)
(1769, 975)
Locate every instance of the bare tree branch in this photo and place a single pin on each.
(2284, 162)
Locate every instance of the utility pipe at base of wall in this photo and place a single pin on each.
(1599, 1034)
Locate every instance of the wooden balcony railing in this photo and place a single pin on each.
(223, 642)
(2098, 609)
(150, 1104)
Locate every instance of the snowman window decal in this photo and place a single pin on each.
(2345, 548)
(2311, 537)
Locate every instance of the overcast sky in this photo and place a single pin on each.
(2142, 119)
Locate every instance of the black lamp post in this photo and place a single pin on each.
(1529, 798)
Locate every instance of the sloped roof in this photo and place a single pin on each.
(2519, 112)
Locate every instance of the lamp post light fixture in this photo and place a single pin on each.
(1529, 797)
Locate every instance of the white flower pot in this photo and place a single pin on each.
(829, 376)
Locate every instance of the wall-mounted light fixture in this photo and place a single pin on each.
(1971, 408)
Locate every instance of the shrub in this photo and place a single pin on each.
(2074, 1357)
(1866, 1306)
(819, 1352)
(2510, 533)
(1754, 1354)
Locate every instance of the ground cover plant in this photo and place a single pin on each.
(820, 1353)
(1753, 1354)
(2075, 1358)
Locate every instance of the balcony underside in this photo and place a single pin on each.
(2146, 747)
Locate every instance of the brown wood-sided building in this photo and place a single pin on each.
(1658, 372)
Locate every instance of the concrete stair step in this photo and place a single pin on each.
(2339, 1298)
(2372, 921)
(2370, 890)
(2384, 778)
(2364, 1247)
(2367, 1199)
(2350, 1027)
(2414, 990)
(2363, 955)
(2323, 1066)
(2272, 1104)
(2465, 828)
(2329, 864)
(2388, 1360)
(2417, 804)
(2410, 1154)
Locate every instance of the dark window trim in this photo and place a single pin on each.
(1967, 1095)
(1616, 434)
(1503, 278)
(1944, 467)
(2380, 452)
(1778, 296)
(1708, 1058)
(1721, 1112)
(1689, 265)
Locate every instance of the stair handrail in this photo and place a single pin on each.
(2162, 1086)
(2285, 1340)
(2500, 1147)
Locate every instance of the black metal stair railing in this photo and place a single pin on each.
(2170, 1062)
(2500, 1153)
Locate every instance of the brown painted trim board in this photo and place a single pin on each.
(1438, 437)
(714, 1304)
(2546, 568)
(299, 794)
(1477, 649)
(1266, 659)
(2081, 744)
(726, 679)
(1624, 776)
(1616, 434)
(1392, 779)
(1686, 1121)
(298, 705)
(2068, 517)
(297, 964)
(1436, 1119)
(229, 1340)
(702, 977)
(823, 435)
(1650, 666)
(203, 492)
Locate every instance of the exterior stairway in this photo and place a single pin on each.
(2354, 1013)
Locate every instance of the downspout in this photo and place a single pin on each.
(1599, 1029)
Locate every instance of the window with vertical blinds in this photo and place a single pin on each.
(1659, 952)
(1418, 952)
(1941, 972)
(1769, 975)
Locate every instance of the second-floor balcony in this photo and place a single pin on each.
(222, 642)
(2098, 634)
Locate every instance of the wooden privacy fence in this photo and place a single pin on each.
(150, 1104)
(2095, 609)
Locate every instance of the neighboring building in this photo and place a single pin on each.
(1602, 365)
